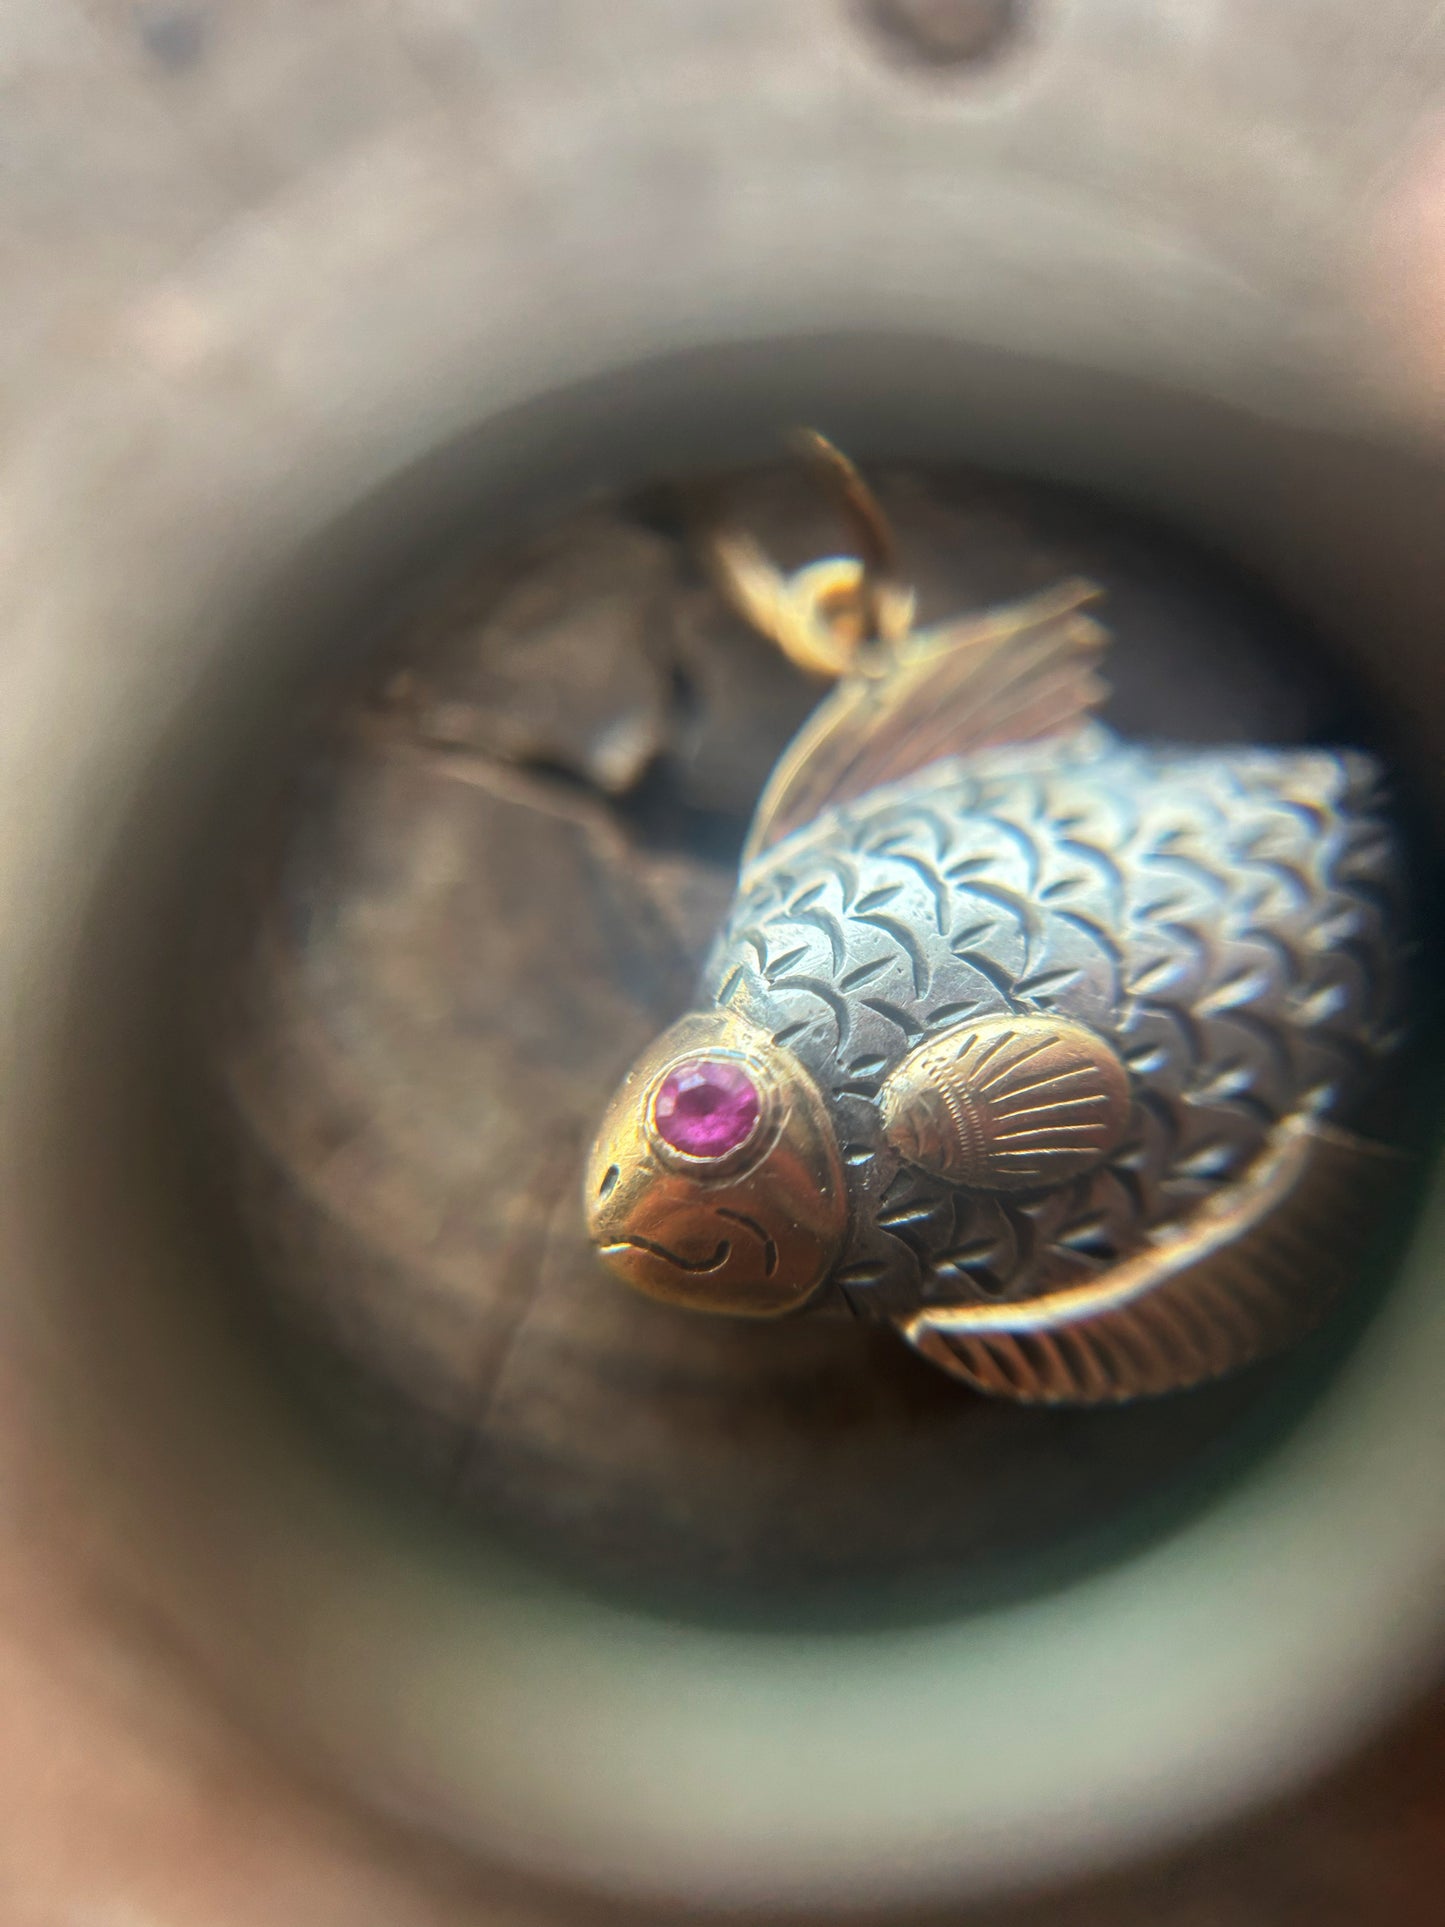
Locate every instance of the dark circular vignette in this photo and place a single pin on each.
(420, 1462)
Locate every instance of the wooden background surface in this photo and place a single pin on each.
(484, 888)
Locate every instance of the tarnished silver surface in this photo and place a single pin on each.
(1086, 1019)
(1230, 921)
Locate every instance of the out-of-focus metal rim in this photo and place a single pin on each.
(251, 399)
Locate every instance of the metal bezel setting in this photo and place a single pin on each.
(742, 1157)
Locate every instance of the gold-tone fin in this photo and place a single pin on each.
(1247, 1274)
(1021, 673)
(1007, 1103)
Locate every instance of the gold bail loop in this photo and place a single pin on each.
(824, 616)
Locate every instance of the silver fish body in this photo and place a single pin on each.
(1047, 1049)
(1230, 922)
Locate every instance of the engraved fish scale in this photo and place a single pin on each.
(1172, 901)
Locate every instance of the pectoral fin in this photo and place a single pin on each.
(1024, 672)
(1248, 1273)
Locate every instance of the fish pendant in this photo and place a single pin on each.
(1040, 1046)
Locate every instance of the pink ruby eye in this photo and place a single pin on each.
(706, 1107)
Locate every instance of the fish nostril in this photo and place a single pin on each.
(609, 1181)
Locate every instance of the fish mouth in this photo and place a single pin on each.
(699, 1267)
(728, 1264)
(695, 1266)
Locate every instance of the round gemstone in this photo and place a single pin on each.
(706, 1107)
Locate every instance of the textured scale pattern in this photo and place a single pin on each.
(1228, 920)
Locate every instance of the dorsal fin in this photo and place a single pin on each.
(1023, 672)
(1248, 1273)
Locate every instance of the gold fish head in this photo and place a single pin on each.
(715, 1180)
